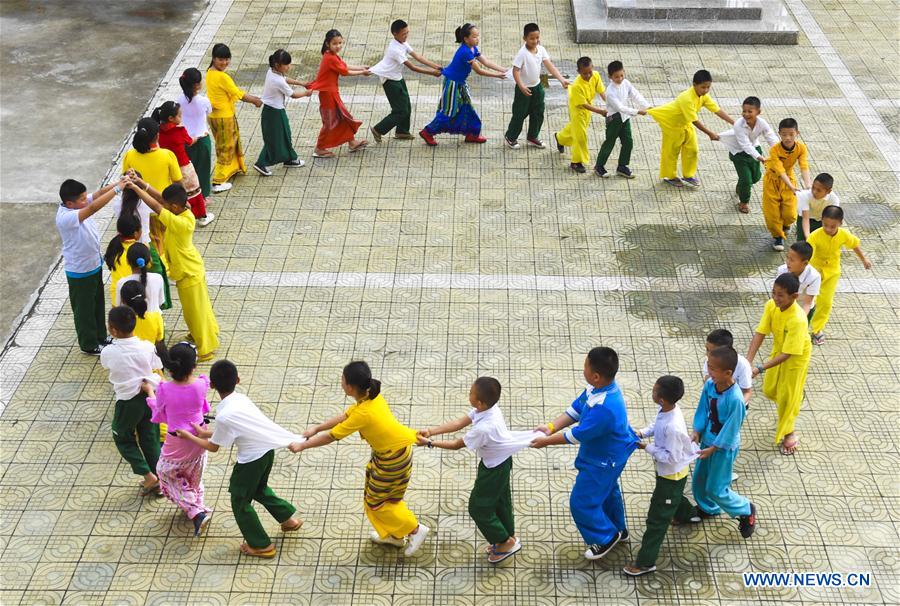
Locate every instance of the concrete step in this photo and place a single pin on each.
(687, 10)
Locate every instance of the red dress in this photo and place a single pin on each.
(338, 126)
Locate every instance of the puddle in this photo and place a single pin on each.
(690, 314)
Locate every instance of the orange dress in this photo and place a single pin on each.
(338, 126)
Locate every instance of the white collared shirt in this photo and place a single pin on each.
(742, 138)
(806, 201)
(80, 242)
(743, 373)
(672, 448)
(276, 90)
(241, 423)
(194, 113)
(810, 280)
(129, 362)
(155, 291)
(624, 99)
(490, 438)
(391, 66)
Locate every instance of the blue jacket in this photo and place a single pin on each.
(719, 416)
(603, 432)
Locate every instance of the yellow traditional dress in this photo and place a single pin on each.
(121, 270)
(575, 133)
(223, 94)
(679, 137)
(779, 202)
(159, 168)
(826, 260)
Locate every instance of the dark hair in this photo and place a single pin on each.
(614, 66)
(727, 356)
(188, 80)
(604, 361)
(122, 318)
(359, 375)
(175, 194)
(70, 190)
(754, 101)
(825, 179)
(583, 62)
(701, 76)
(329, 36)
(530, 27)
(146, 132)
(487, 390)
(223, 376)
(833, 212)
(463, 31)
(789, 282)
(670, 388)
(180, 360)
(164, 112)
(279, 57)
(130, 201)
(398, 25)
(788, 123)
(138, 257)
(720, 338)
(126, 225)
(134, 296)
(220, 51)
(804, 249)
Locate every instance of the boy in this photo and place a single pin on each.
(827, 242)
(744, 151)
(605, 441)
(811, 202)
(240, 422)
(798, 258)
(581, 96)
(623, 101)
(673, 452)
(528, 100)
(390, 68)
(743, 373)
(786, 367)
(131, 361)
(81, 259)
(779, 201)
(717, 428)
(677, 119)
(490, 503)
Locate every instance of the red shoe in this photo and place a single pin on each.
(475, 139)
(429, 140)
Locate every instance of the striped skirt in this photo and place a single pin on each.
(180, 471)
(455, 113)
(387, 477)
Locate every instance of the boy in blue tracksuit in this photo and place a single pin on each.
(605, 440)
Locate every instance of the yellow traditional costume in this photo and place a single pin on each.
(826, 260)
(679, 137)
(779, 202)
(575, 133)
(223, 94)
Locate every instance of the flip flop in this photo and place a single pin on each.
(292, 528)
(744, 209)
(323, 155)
(147, 490)
(266, 555)
(496, 557)
(361, 145)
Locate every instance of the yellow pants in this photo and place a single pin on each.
(575, 135)
(779, 204)
(824, 301)
(392, 519)
(198, 314)
(675, 142)
(784, 385)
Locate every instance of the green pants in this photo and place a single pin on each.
(813, 226)
(616, 129)
(200, 154)
(89, 309)
(812, 312)
(749, 172)
(401, 108)
(527, 107)
(133, 417)
(490, 503)
(249, 482)
(667, 503)
(157, 267)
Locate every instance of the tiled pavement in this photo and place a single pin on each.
(440, 265)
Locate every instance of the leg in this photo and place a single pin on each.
(536, 112)
(789, 209)
(394, 94)
(669, 152)
(613, 128)
(789, 392)
(505, 505)
(614, 507)
(700, 486)
(627, 144)
(277, 507)
(520, 109)
(721, 463)
(665, 502)
(403, 121)
(148, 438)
(824, 302)
(485, 499)
(82, 297)
(200, 154)
(743, 168)
(593, 486)
(126, 417)
(198, 314)
(198, 206)
(771, 205)
(244, 483)
(690, 152)
(580, 142)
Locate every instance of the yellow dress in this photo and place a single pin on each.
(679, 137)
(826, 260)
(575, 133)
(121, 270)
(779, 203)
(159, 168)
(784, 383)
(223, 94)
(150, 327)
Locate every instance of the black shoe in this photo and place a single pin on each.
(559, 147)
(106, 341)
(637, 571)
(296, 163)
(595, 552)
(601, 171)
(200, 520)
(624, 171)
(624, 534)
(747, 524)
(703, 515)
(263, 170)
(92, 352)
(578, 167)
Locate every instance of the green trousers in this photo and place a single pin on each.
(200, 154)
(749, 172)
(667, 503)
(89, 309)
(249, 482)
(401, 108)
(157, 267)
(133, 417)
(490, 503)
(527, 107)
(813, 226)
(616, 129)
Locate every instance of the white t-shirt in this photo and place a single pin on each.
(143, 213)
(154, 290)
(129, 362)
(672, 448)
(490, 438)
(810, 280)
(194, 113)
(743, 373)
(529, 64)
(241, 423)
(391, 66)
(806, 201)
(80, 242)
(276, 90)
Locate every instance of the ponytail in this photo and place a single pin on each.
(165, 112)
(130, 201)
(145, 135)
(134, 296)
(329, 36)
(126, 225)
(189, 81)
(139, 258)
(279, 57)
(463, 32)
(359, 375)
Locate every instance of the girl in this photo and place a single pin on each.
(129, 203)
(389, 469)
(194, 110)
(140, 260)
(179, 404)
(149, 326)
(175, 138)
(128, 227)
(455, 113)
(276, 130)
(223, 95)
(338, 126)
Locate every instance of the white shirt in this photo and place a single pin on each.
(806, 201)
(624, 99)
(154, 290)
(529, 64)
(80, 241)
(743, 373)
(391, 66)
(241, 423)
(742, 138)
(143, 214)
(490, 438)
(130, 361)
(810, 280)
(276, 90)
(194, 113)
(672, 448)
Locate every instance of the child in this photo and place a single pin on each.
(186, 266)
(677, 120)
(717, 428)
(581, 96)
(811, 202)
(276, 129)
(528, 99)
(605, 441)
(240, 422)
(389, 469)
(455, 113)
(623, 102)
(131, 361)
(338, 126)
(82, 261)
(175, 138)
(779, 199)
(798, 257)
(195, 108)
(744, 151)
(787, 364)
(827, 242)
(390, 68)
(673, 452)
(743, 372)
(128, 228)
(490, 503)
(223, 96)
(149, 326)
(181, 404)
(140, 261)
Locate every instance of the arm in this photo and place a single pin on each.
(299, 94)
(435, 71)
(862, 257)
(592, 108)
(806, 177)
(144, 185)
(358, 71)
(806, 302)
(423, 61)
(747, 394)
(771, 363)
(321, 439)
(700, 126)
(99, 201)
(456, 444)
(448, 427)
(555, 73)
(483, 72)
(724, 115)
(146, 198)
(755, 344)
(805, 216)
(248, 98)
(787, 181)
(489, 64)
(293, 82)
(201, 439)
(518, 78)
(323, 426)
(560, 422)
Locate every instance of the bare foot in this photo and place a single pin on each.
(291, 524)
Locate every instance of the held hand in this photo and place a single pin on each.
(637, 433)
(183, 434)
(642, 445)
(421, 440)
(706, 452)
(565, 83)
(425, 433)
(602, 112)
(695, 437)
(309, 432)
(525, 90)
(539, 442)
(258, 103)
(202, 433)
(295, 447)
(763, 159)
(866, 263)
(543, 429)
(642, 112)
(366, 72)
(754, 373)
(147, 388)
(713, 137)
(436, 73)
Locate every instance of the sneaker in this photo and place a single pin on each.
(93, 352)
(633, 570)
(200, 520)
(602, 172)
(734, 476)
(624, 171)
(416, 540)
(691, 182)
(295, 163)
(511, 143)
(218, 188)
(625, 534)
(595, 552)
(388, 540)
(778, 244)
(376, 135)
(107, 341)
(747, 524)
(263, 170)
(426, 136)
(559, 146)
(578, 167)
(818, 338)
(536, 143)
(204, 221)
(475, 139)
(676, 182)
(404, 136)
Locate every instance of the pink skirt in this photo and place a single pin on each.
(180, 472)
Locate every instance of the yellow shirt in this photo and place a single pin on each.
(583, 91)
(121, 270)
(150, 327)
(158, 167)
(826, 257)
(184, 260)
(678, 474)
(222, 93)
(788, 329)
(376, 424)
(683, 110)
(781, 161)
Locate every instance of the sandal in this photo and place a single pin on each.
(495, 557)
(297, 524)
(789, 449)
(358, 146)
(267, 553)
(744, 208)
(323, 154)
(147, 490)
